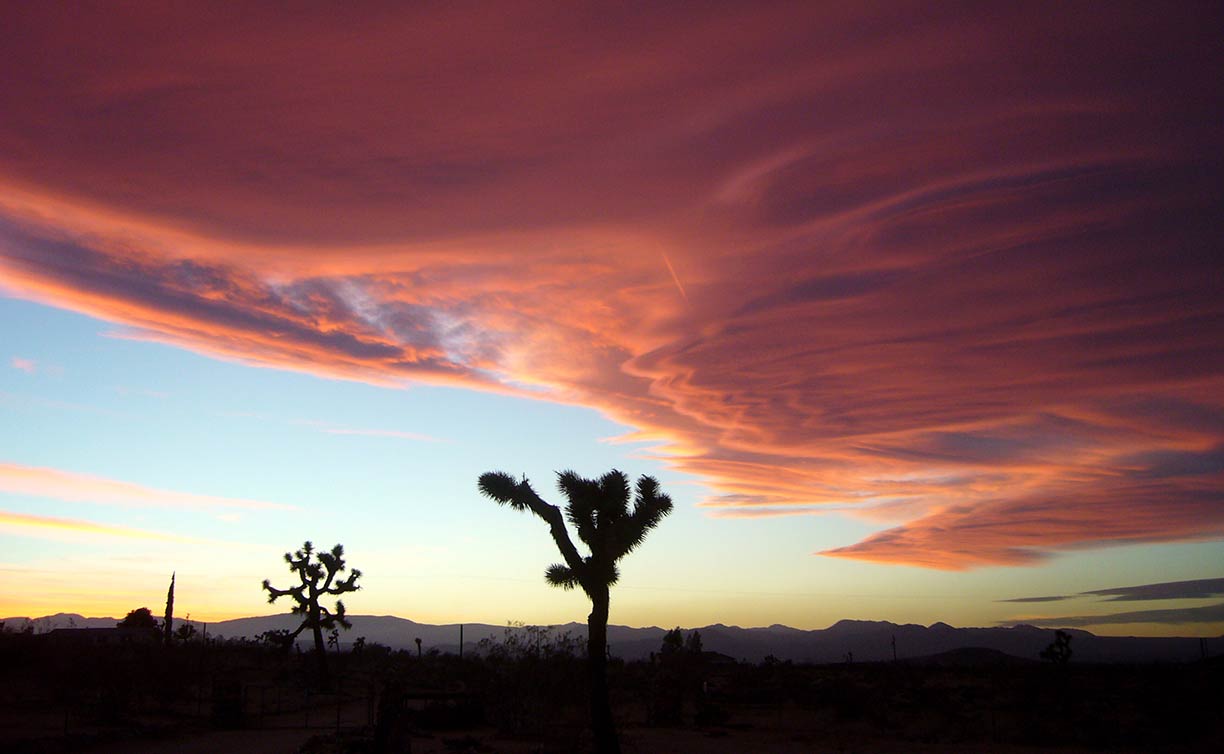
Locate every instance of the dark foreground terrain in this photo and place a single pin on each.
(526, 693)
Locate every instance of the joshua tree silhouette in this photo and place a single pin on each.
(599, 511)
(317, 572)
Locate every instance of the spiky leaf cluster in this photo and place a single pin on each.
(318, 573)
(600, 512)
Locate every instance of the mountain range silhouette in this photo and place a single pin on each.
(868, 641)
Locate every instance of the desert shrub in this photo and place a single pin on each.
(533, 675)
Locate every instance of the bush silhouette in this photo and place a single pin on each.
(678, 674)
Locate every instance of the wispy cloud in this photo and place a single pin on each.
(127, 391)
(383, 433)
(38, 481)
(29, 366)
(1172, 616)
(331, 429)
(27, 524)
(1027, 530)
(1166, 590)
(990, 287)
(1055, 598)
(759, 512)
(15, 400)
(1170, 590)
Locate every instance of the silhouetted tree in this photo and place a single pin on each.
(318, 572)
(141, 618)
(168, 622)
(673, 642)
(677, 675)
(599, 511)
(185, 633)
(1059, 651)
(693, 644)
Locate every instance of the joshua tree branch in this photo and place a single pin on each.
(501, 487)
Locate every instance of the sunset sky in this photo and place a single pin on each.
(916, 310)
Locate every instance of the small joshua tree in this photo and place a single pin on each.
(318, 572)
(599, 510)
(185, 632)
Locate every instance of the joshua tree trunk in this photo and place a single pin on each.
(599, 509)
(320, 656)
(604, 730)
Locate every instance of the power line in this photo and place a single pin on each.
(748, 593)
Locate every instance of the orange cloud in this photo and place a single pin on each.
(954, 272)
(1029, 529)
(38, 481)
(22, 523)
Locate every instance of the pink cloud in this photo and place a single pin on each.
(1030, 529)
(39, 481)
(957, 272)
(29, 366)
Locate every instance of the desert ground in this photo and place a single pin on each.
(242, 696)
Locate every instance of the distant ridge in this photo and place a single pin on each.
(867, 641)
(969, 657)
